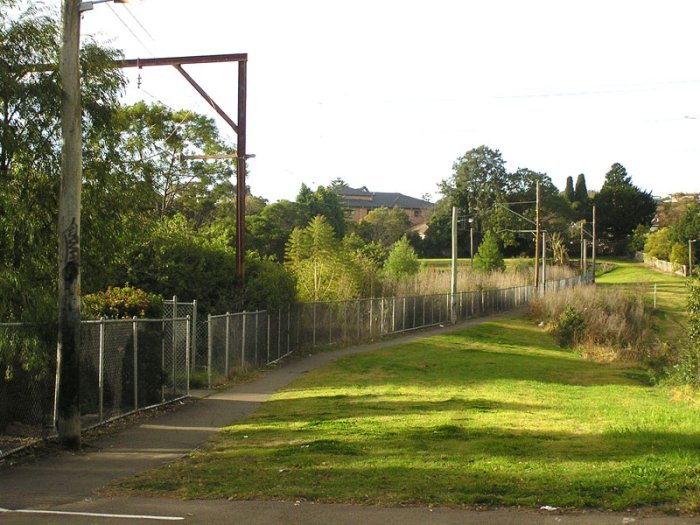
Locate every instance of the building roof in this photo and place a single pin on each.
(363, 198)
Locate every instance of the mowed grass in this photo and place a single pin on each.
(670, 316)
(492, 415)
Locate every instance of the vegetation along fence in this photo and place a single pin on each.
(252, 339)
(128, 365)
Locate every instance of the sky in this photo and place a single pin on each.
(388, 94)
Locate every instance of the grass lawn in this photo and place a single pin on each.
(491, 415)
(671, 294)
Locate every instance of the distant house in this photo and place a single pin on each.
(358, 202)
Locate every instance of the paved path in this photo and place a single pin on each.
(65, 483)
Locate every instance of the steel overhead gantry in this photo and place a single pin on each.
(238, 127)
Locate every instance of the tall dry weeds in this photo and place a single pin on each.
(438, 280)
(616, 323)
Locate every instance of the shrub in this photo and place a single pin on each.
(570, 326)
(402, 260)
(687, 368)
(488, 257)
(122, 303)
(679, 255)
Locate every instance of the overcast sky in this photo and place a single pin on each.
(388, 94)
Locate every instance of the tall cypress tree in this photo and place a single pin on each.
(569, 190)
(581, 192)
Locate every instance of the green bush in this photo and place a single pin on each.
(488, 257)
(402, 260)
(679, 255)
(122, 303)
(570, 326)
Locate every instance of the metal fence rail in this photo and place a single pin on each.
(125, 365)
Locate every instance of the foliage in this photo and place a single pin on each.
(384, 226)
(325, 202)
(402, 261)
(687, 226)
(269, 285)
(478, 180)
(621, 206)
(687, 369)
(658, 244)
(569, 326)
(30, 149)
(679, 255)
(271, 228)
(569, 189)
(488, 257)
(581, 202)
(561, 254)
(639, 239)
(154, 137)
(176, 260)
(126, 302)
(323, 269)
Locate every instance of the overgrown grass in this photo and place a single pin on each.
(494, 415)
(607, 324)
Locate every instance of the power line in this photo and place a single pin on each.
(130, 30)
(131, 13)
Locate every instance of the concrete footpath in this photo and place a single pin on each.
(61, 487)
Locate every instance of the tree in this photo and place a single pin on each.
(478, 179)
(30, 153)
(658, 244)
(569, 189)
(323, 269)
(687, 226)
(402, 261)
(621, 206)
(154, 137)
(269, 231)
(384, 226)
(325, 202)
(580, 203)
(489, 257)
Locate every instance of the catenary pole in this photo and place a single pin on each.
(593, 244)
(453, 284)
(67, 409)
(537, 240)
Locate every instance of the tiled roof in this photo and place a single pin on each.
(360, 198)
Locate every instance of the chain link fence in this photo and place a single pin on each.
(128, 365)
(125, 366)
(253, 339)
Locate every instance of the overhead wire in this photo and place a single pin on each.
(131, 13)
(130, 30)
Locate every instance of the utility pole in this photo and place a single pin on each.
(453, 287)
(583, 257)
(593, 245)
(241, 171)
(582, 249)
(537, 240)
(471, 242)
(544, 261)
(67, 409)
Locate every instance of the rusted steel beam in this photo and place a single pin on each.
(206, 97)
(171, 61)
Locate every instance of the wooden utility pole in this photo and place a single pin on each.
(67, 409)
(537, 240)
(453, 284)
(593, 245)
(544, 261)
